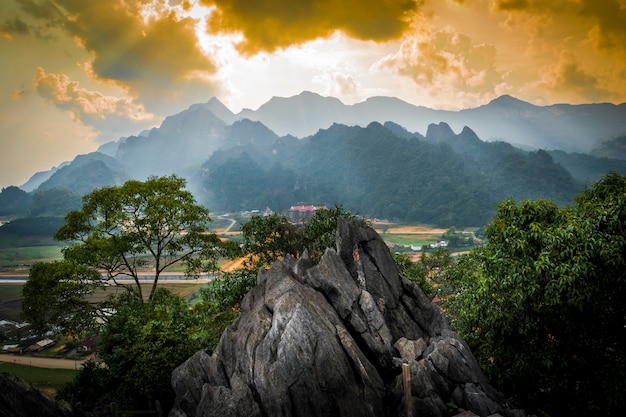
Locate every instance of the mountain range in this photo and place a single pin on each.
(369, 157)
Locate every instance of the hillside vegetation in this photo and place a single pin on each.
(373, 163)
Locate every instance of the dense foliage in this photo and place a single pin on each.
(139, 348)
(122, 230)
(443, 178)
(543, 303)
(152, 224)
(14, 201)
(227, 291)
(57, 295)
(268, 239)
(33, 226)
(54, 202)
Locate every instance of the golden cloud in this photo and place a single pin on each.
(150, 55)
(268, 25)
(14, 26)
(609, 18)
(602, 21)
(569, 78)
(85, 105)
(448, 66)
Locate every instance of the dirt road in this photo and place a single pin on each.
(42, 362)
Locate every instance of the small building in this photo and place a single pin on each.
(7, 348)
(41, 345)
(441, 244)
(302, 213)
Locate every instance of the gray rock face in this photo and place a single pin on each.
(19, 399)
(330, 340)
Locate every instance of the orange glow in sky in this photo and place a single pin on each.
(76, 74)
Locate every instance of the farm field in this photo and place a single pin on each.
(47, 380)
(20, 258)
(17, 260)
(417, 235)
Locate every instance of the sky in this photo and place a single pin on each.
(79, 73)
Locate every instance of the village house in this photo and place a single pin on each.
(302, 213)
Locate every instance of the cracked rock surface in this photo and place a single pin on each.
(330, 340)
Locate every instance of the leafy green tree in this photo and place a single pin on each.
(144, 342)
(436, 261)
(268, 238)
(57, 294)
(415, 272)
(139, 348)
(227, 291)
(93, 387)
(149, 225)
(320, 231)
(543, 303)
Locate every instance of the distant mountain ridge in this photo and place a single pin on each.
(442, 178)
(571, 128)
(383, 167)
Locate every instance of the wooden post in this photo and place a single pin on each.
(113, 409)
(406, 379)
(158, 408)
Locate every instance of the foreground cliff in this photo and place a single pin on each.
(330, 340)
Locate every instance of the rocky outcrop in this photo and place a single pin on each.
(19, 399)
(330, 340)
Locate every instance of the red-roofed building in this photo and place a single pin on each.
(303, 212)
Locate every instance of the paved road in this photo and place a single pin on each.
(41, 362)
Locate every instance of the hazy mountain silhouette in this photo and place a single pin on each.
(414, 167)
(614, 148)
(572, 128)
(443, 178)
(85, 173)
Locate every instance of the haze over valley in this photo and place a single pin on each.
(382, 157)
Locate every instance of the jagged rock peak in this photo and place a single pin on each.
(439, 132)
(330, 340)
(469, 135)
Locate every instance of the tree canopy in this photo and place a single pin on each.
(543, 303)
(56, 294)
(140, 347)
(269, 238)
(141, 227)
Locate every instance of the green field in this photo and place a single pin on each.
(17, 257)
(47, 380)
(411, 239)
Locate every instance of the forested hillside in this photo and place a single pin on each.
(231, 164)
(443, 178)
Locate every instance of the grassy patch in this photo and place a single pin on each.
(47, 380)
(27, 255)
(411, 239)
